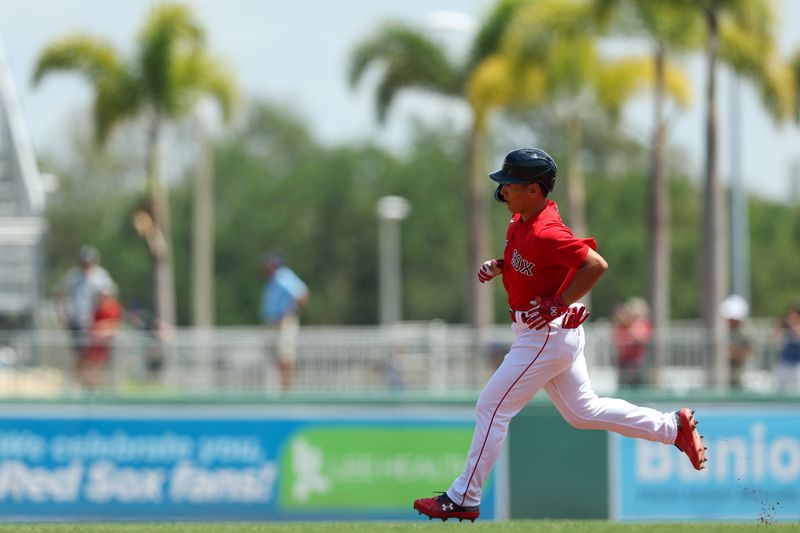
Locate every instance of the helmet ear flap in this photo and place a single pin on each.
(497, 195)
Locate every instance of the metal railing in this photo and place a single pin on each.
(431, 357)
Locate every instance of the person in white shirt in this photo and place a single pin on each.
(80, 291)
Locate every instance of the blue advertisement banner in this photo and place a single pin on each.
(752, 473)
(190, 464)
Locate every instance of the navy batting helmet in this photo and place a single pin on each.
(526, 165)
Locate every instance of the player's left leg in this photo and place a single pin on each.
(572, 394)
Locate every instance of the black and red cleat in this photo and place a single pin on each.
(443, 507)
(689, 440)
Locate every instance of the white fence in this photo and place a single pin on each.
(419, 357)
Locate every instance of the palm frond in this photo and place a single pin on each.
(409, 60)
(95, 59)
(170, 73)
(495, 83)
(196, 75)
(754, 56)
(221, 86)
(361, 58)
(536, 26)
(116, 96)
(571, 65)
(777, 88)
(756, 17)
(490, 35)
(670, 23)
(618, 81)
(115, 101)
(169, 35)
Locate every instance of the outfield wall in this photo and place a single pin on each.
(87, 462)
(753, 472)
(323, 458)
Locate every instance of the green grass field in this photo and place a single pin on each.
(517, 526)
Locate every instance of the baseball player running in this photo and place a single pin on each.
(545, 270)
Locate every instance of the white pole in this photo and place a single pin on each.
(740, 230)
(391, 210)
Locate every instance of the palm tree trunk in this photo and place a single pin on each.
(576, 187)
(203, 230)
(480, 295)
(658, 226)
(164, 285)
(713, 266)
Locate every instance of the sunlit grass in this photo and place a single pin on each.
(394, 527)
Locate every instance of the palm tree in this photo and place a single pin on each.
(560, 38)
(168, 74)
(739, 33)
(412, 60)
(668, 27)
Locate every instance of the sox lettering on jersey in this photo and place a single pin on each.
(521, 265)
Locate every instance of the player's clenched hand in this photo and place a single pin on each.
(575, 316)
(544, 310)
(489, 269)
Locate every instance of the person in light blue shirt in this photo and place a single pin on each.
(283, 296)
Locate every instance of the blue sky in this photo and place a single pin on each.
(296, 52)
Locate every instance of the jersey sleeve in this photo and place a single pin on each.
(563, 248)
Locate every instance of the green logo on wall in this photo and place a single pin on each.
(376, 467)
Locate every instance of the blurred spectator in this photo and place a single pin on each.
(788, 373)
(631, 333)
(94, 359)
(138, 316)
(735, 310)
(283, 297)
(81, 292)
(393, 370)
(497, 352)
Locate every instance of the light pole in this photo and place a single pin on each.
(739, 235)
(391, 210)
(203, 230)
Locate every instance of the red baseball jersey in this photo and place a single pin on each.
(541, 257)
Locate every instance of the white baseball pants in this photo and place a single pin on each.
(551, 358)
